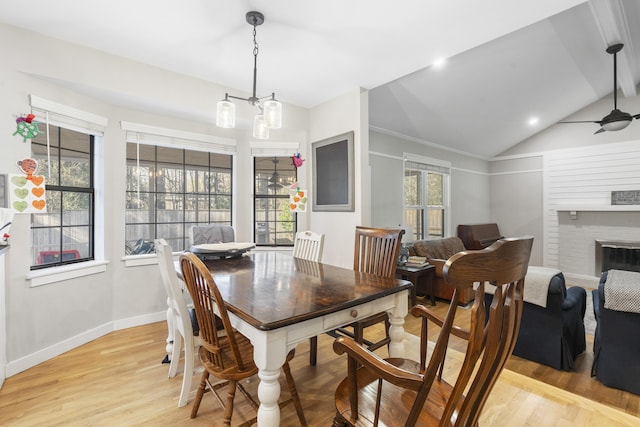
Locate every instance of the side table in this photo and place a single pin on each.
(423, 279)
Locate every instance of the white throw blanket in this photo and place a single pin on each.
(622, 291)
(536, 285)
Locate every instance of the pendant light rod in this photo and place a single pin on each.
(255, 18)
(614, 49)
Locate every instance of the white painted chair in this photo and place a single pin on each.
(309, 245)
(178, 321)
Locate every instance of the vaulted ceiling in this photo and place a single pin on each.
(506, 60)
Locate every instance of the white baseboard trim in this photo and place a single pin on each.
(16, 366)
(143, 319)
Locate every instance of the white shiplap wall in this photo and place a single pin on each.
(581, 180)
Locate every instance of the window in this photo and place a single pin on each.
(169, 190)
(65, 233)
(426, 187)
(275, 224)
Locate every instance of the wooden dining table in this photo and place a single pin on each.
(278, 301)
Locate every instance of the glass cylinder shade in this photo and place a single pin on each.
(226, 114)
(260, 128)
(273, 113)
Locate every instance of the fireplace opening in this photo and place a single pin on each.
(618, 255)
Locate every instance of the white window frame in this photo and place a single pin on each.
(269, 149)
(138, 133)
(68, 117)
(437, 166)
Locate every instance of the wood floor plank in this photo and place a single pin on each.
(118, 380)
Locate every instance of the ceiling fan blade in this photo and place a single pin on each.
(599, 131)
(583, 121)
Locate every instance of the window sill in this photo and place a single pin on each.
(65, 272)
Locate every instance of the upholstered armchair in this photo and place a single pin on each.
(616, 346)
(554, 334)
(437, 252)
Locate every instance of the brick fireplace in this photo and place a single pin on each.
(579, 231)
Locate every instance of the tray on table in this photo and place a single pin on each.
(221, 250)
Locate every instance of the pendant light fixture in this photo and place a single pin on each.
(269, 114)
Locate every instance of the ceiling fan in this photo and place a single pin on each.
(616, 119)
(274, 180)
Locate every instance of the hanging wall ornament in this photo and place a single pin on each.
(297, 160)
(297, 199)
(28, 166)
(27, 193)
(26, 127)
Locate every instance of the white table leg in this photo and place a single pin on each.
(396, 325)
(269, 353)
(269, 393)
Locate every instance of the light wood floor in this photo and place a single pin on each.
(118, 380)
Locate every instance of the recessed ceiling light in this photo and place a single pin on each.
(439, 62)
(533, 121)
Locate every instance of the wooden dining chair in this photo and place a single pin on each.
(308, 246)
(376, 252)
(401, 392)
(179, 321)
(226, 355)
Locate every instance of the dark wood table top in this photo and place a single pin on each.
(270, 290)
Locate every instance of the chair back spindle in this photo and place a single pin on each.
(376, 250)
(308, 245)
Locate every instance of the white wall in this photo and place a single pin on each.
(3, 321)
(581, 180)
(46, 320)
(343, 114)
(469, 181)
(516, 201)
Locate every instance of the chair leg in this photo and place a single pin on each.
(338, 421)
(201, 388)
(187, 375)
(358, 333)
(294, 393)
(228, 407)
(176, 348)
(313, 351)
(173, 350)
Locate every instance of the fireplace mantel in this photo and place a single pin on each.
(596, 208)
